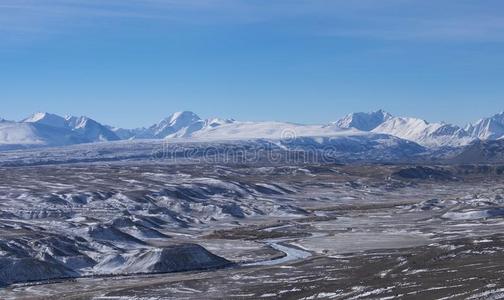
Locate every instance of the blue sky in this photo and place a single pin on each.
(131, 63)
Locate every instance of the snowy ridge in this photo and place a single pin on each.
(72, 130)
(178, 125)
(489, 128)
(45, 129)
(46, 119)
(425, 133)
(270, 130)
(15, 135)
(433, 135)
(90, 129)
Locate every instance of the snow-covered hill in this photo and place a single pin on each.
(14, 135)
(270, 130)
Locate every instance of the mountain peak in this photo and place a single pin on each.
(47, 119)
(364, 121)
(183, 117)
(38, 116)
(488, 128)
(176, 122)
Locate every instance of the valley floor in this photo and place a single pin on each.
(164, 231)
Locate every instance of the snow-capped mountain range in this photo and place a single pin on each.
(425, 133)
(45, 129)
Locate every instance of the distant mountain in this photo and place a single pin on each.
(364, 121)
(425, 133)
(489, 128)
(14, 135)
(179, 123)
(47, 119)
(412, 129)
(83, 128)
(90, 129)
(45, 129)
(489, 151)
(127, 134)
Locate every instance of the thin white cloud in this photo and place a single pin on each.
(425, 20)
(482, 30)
